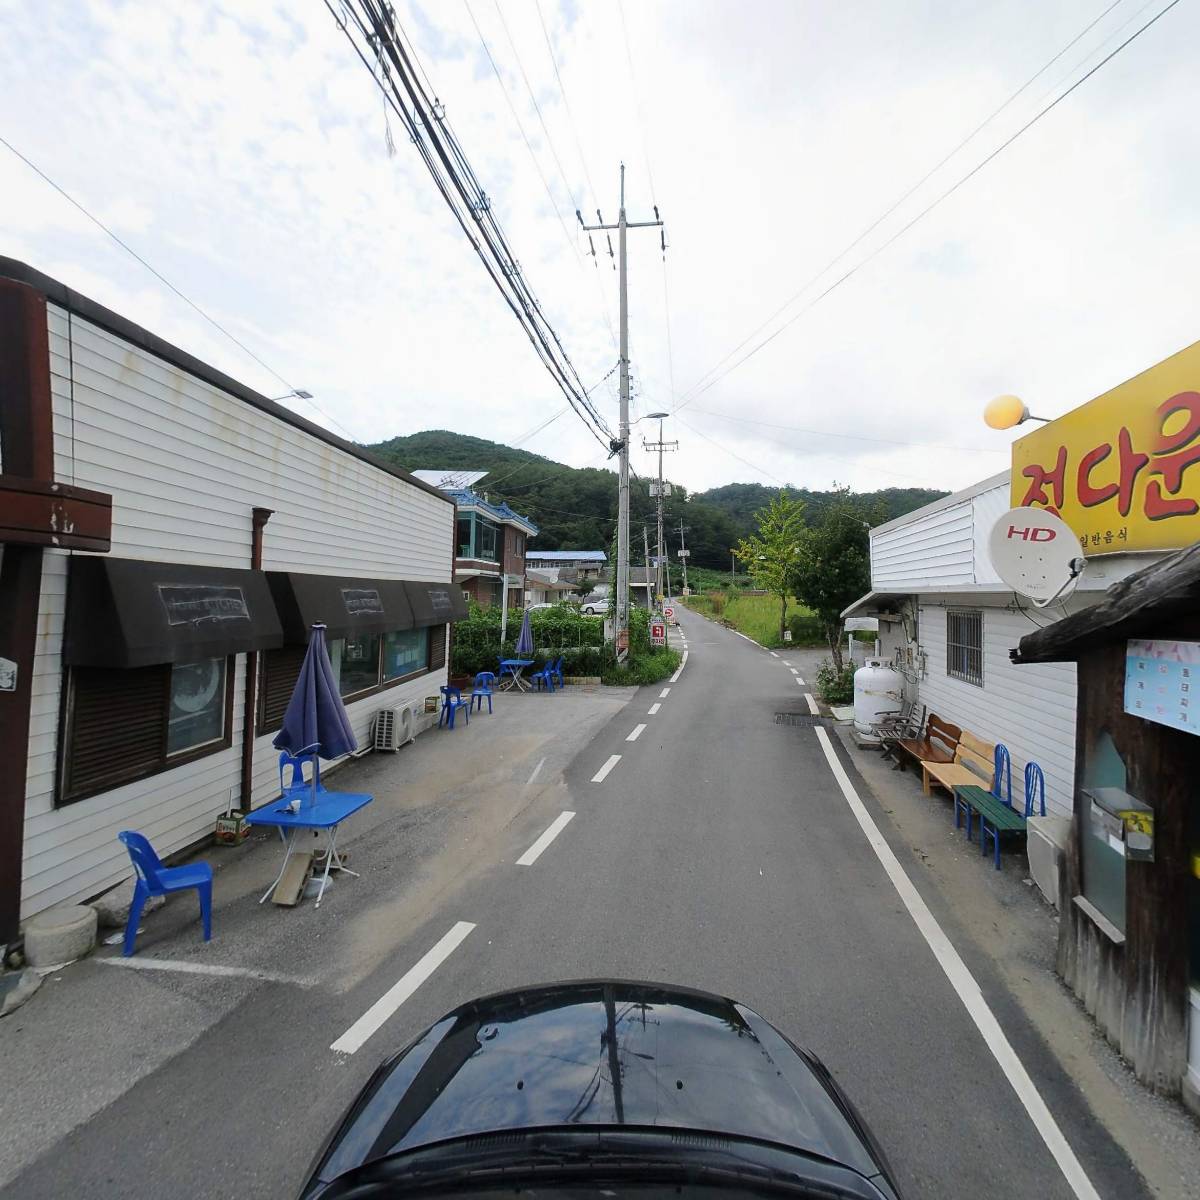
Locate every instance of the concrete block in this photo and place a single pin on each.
(112, 909)
(60, 935)
(1046, 844)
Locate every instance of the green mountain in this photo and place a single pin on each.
(575, 508)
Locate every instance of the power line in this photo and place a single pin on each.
(637, 104)
(853, 437)
(697, 390)
(372, 23)
(166, 282)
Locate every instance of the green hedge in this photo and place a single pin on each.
(560, 630)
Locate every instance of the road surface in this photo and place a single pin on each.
(719, 851)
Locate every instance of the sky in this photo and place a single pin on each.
(242, 150)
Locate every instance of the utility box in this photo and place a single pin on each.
(1046, 843)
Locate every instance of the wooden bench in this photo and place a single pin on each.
(995, 817)
(973, 763)
(938, 744)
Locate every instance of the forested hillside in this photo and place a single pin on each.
(575, 508)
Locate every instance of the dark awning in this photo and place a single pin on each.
(436, 603)
(346, 607)
(124, 612)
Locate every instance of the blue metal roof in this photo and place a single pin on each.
(465, 498)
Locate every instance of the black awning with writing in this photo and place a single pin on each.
(125, 612)
(346, 607)
(436, 603)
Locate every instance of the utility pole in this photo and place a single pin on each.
(621, 445)
(660, 446)
(683, 555)
(646, 547)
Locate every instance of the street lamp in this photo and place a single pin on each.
(1005, 412)
(299, 393)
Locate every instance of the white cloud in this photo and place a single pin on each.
(241, 150)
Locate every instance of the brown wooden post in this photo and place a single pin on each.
(27, 441)
(259, 518)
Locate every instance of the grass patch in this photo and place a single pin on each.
(758, 617)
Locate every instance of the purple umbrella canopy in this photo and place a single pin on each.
(524, 647)
(316, 718)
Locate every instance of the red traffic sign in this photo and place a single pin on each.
(658, 633)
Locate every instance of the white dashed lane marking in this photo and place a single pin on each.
(556, 827)
(653, 709)
(600, 775)
(637, 732)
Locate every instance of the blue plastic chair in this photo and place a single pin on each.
(558, 671)
(545, 675)
(153, 879)
(298, 786)
(483, 687)
(1035, 784)
(452, 701)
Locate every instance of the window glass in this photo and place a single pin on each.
(1103, 865)
(464, 537)
(197, 707)
(358, 663)
(404, 652)
(964, 646)
(485, 546)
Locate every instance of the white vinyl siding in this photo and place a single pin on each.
(185, 463)
(1031, 709)
(929, 552)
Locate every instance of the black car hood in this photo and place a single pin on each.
(600, 1054)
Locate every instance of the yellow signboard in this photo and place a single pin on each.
(1122, 470)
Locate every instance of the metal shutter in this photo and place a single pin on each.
(437, 647)
(280, 670)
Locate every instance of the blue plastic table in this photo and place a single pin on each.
(512, 667)
(326, 811)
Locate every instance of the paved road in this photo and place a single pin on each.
(718, 852)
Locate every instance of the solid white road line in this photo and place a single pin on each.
(682, 663)
(653, 709)
(600, 775)
(536, 772)
(664, 693)
(370, 1022)
(964, 984)
(637, 732)
(812, 704)
(194, 968)
(556, 827)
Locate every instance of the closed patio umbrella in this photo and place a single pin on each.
(316, 720)
(525, 638)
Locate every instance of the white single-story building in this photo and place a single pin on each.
(169, 536)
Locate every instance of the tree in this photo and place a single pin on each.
(770, 554)
(834, 566)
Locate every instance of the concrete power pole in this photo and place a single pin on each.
(622, 443)
(683, 556)
(660, 446)
(646, 550)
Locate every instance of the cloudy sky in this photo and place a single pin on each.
(242, 150)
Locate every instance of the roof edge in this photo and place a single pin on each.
(58, 293)
(967, 493)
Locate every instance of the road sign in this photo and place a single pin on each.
(658, 632)
(684, 553)
(660, 489)
(669, 614)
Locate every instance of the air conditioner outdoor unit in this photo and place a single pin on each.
(393, 728)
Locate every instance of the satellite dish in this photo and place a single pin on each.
(1036, 553)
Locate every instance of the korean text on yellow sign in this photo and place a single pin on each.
(1122, 470)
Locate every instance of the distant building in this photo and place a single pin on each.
(541, 587)
(574, 565)
(489, 543)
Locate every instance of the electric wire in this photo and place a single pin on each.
(166, 282)
(928, 208)
(393, 72)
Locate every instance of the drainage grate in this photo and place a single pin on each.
(797, 718)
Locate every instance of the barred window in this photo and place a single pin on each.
(964, 645)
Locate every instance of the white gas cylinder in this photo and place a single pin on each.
(877, 690)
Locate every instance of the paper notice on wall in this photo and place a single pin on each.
(1160, 682)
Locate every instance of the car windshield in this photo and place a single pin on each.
(591, 587)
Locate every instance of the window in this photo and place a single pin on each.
(122, 725)
(197, 711)
(1102, 863)
(280, 670)
(964, 645)
(465, 547)
(356, 662)
(485, 540)
(405, 653)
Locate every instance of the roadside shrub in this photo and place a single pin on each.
(716, 603)
(806, 629)
(558, 630)
(834, 686)
(644, 669)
